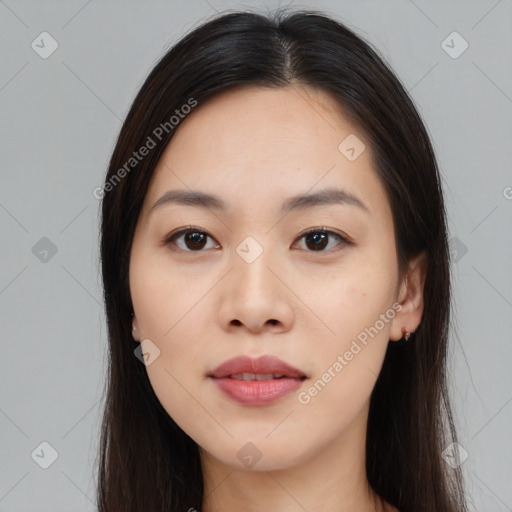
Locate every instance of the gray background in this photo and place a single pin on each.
(60, 117)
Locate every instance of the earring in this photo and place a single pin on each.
(405, 334)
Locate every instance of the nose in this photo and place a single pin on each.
(255, 297)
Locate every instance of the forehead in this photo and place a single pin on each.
(254, 146)
(271, 119)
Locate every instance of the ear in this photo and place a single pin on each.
(135, 329)
(410, 298)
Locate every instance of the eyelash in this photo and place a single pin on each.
(344, 241)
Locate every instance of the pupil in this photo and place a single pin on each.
(318, 239)
(195, 238)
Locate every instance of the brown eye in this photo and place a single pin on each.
(318, 239)
(193, 240)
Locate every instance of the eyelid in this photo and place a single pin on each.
(323, 229)
(345, 240)
(182, 231)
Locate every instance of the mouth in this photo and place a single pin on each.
(257, 382)
(262, 376)
(262, 368)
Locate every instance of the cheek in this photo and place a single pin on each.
(169, 306)
(173, 317)
(171, 314)
(356, 306)
(351, 300)
(348, 362)
(163, 296)
(173, 379)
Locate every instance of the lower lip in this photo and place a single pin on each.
(257, 392)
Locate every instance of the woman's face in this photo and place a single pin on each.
(251, 282)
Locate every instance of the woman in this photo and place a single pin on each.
(276, 276)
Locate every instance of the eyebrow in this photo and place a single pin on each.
(298, 202)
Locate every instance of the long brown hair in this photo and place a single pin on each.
(146, 461)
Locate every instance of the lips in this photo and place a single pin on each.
(257, 382)
(262, 366)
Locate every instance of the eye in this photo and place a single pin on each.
(318, 239)
(194, 239)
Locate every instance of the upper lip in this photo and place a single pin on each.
(262, 365)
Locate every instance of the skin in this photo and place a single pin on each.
(254, 147)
